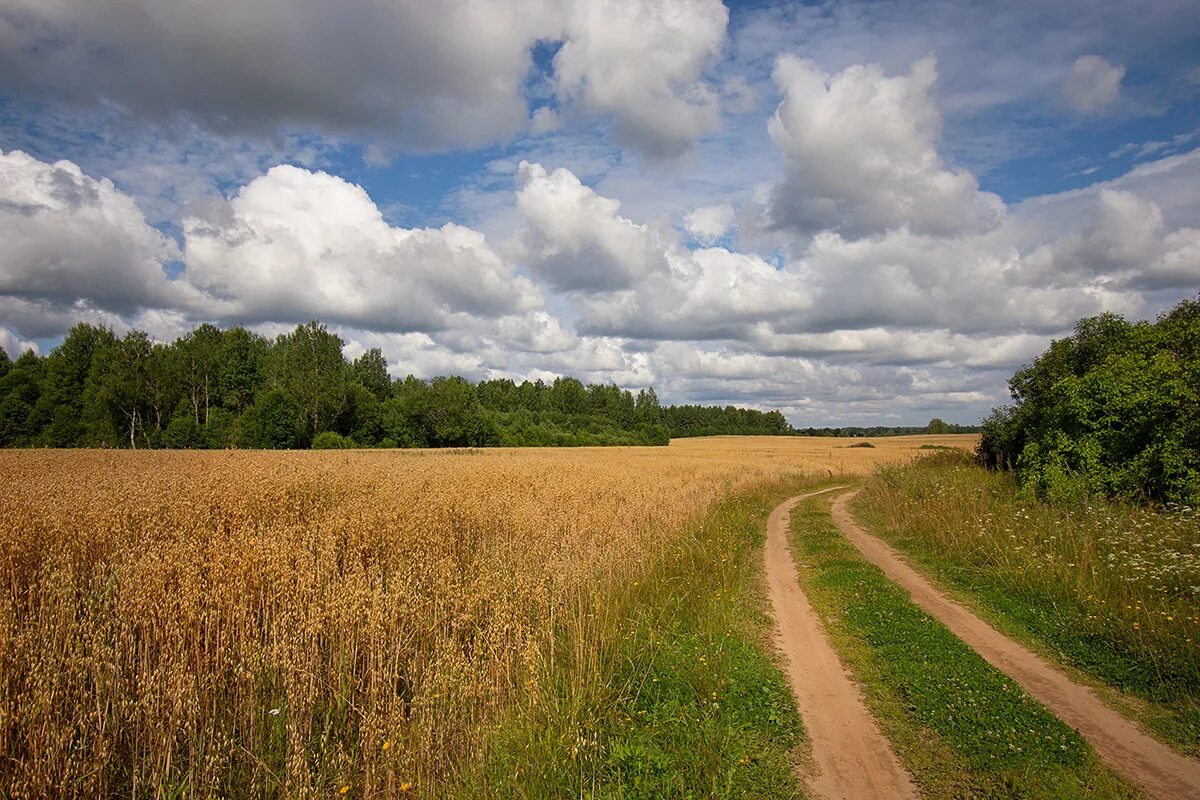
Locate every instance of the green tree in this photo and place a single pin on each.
(937, 426)
(274, 422)
(20, 390)
(66, 376)
(239, 368)
(197, 356)
(308, 364)
(568, 396)
(452, 415)
(123, 384)
(647, 411)
(1112, 409)
(371, 371)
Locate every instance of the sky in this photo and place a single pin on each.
(854, 213)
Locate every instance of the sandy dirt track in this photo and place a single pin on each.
(851, 758)
(1157, 769)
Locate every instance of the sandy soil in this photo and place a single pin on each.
(851, 759)
(1157, 769)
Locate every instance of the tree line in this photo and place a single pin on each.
(1112, 409)
(220, 388)
(935, 426)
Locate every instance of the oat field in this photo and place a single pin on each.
(208, 623)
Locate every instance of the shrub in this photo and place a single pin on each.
(329, 440)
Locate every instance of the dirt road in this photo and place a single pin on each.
(1143, 760)
(851, 758)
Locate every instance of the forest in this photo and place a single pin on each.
(1113, 409)
(221, 388)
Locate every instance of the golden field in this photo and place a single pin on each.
(194, 623)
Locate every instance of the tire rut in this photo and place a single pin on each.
(851, 758)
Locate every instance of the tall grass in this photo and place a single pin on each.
(678, 697)
(1110, 588)
(262, 625)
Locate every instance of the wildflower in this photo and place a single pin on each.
(387, 745)
(406, 786)
(274, 712)
(345, 789)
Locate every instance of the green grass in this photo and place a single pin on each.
(1109, 589)
(961, 727)
(680, 701)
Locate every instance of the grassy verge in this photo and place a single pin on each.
(1109, 589)
(961, 727)
(677, 699)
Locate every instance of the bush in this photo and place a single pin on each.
(332, 441)
(272, 423)
(182, 432)
(1113, 409)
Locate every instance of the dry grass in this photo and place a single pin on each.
(250, 624)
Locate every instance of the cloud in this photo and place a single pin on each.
(409, 74)
(296, 244)
(640, 62)
(421, 75)
(1092, 84)
(576, 240)
(69, 237)
(14, 345)
(1127, 243)
(860, 157)
(707, 294)
(709, 223)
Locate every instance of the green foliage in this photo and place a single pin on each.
(684, 421)
(1113, 409)
(332, 441)
(937, 427)
(274, 422)
(370, 370)
(861, 444)
(20, 391)
(181, 433)
(308, 364)
(240, 389)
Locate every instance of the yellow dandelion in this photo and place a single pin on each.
(387, 745)
(406, 786)
(345, 789)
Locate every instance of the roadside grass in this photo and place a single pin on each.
(677, 698)
(961, 727)
(1109, 589)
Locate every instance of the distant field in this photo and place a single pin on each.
(212, 623)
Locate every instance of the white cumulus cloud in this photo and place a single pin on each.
(709, 223)
(860, 155)
(294, 244)
(69, 237)
(641, 62)
(1092, 84)
(576, 239)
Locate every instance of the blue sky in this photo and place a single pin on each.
(852, 212)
